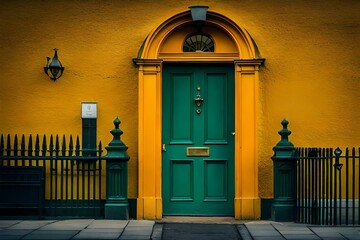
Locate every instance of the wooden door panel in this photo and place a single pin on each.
(215, 180)
(216, 111)
(182, 180)
(181, 119)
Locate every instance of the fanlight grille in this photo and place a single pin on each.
(198, 43)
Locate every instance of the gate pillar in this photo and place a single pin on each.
(117, 204)
(284, 163)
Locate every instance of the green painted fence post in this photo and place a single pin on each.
(284, 162)
(117, 204)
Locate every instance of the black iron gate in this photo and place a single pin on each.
(52, 179)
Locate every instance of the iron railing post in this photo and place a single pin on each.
(284, 163)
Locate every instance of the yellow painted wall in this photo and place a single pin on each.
(310, 75)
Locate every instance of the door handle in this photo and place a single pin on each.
(164, 147)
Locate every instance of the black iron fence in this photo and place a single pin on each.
(328, 186)
(51, 176)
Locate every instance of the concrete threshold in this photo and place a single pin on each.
(193, 219)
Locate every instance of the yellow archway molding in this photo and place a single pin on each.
(161, 46)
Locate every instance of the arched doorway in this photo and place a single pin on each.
(164, 47)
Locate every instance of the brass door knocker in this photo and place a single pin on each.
(198, 100)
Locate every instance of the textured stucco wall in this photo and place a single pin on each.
(310, 75)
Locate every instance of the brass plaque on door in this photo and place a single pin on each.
(197, 152)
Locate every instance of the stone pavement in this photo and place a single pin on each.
(76, 229)
(262, 230)
(186, 229)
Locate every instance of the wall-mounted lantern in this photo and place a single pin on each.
(198, 15)
(53, 68)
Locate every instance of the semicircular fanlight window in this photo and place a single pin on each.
(198, 43)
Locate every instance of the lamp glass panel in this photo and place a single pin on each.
(54, 71)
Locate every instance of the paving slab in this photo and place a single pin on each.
(138, 230)
(289, 226)
(244, 232)
(52, 234)
(351, 235)
(11, 237)
(138, 223)
(134, 238)
(8, 232)
(337, 232)
(141, 230)
(102, 224)
(74, 224)
(97, 233)
(268, 238)
(296, 232)
(301, 237)
(253, 226)
(8, 223)
(261, 230)
(31, 224)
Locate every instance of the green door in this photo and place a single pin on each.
(198, 141)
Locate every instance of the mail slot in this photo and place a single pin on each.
(197, 152)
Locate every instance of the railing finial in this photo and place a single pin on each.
(284, 133)
(337, 164)
(116, 132)
(116, 147)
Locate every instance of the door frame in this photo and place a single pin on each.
(246, 66)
